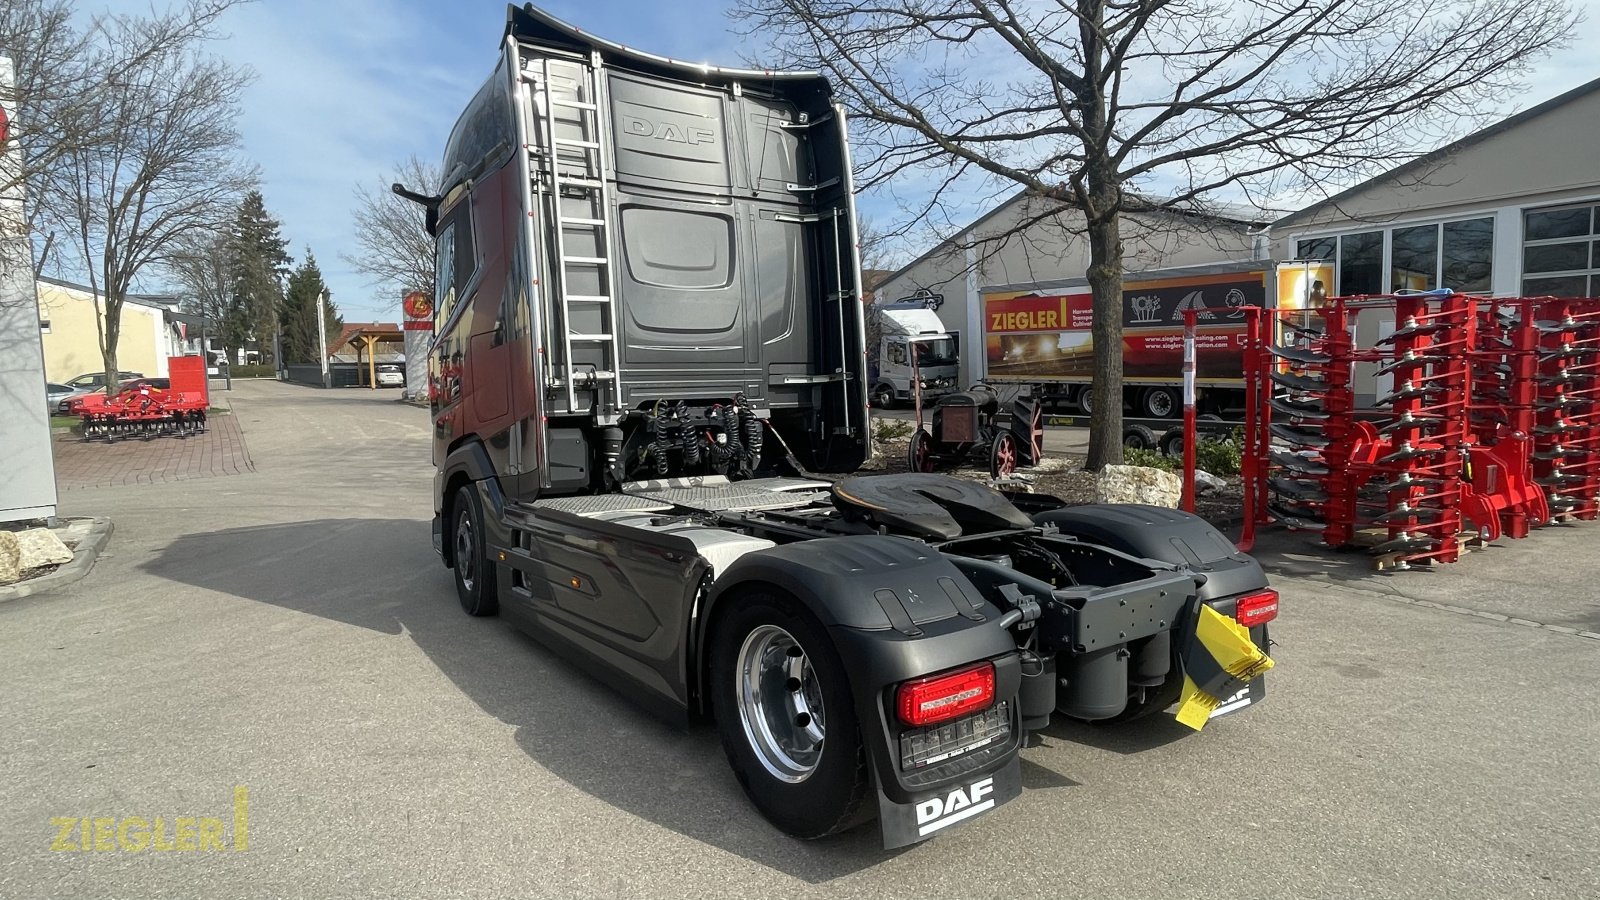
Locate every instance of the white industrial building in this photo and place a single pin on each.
(1509, 210)
(1016, 242)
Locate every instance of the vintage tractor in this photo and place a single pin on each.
(969, 426)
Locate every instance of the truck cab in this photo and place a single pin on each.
(915, 353)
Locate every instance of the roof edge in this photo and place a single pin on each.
(1446, 151)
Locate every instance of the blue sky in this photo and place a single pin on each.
(346, 88)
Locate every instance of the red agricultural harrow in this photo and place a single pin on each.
(1487, 423)
(146, 412)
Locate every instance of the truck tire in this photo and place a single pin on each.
(476, 585)
(1138, 437)
(1172, 443)
(1084, 400)
(1160, 403)
(784, 708)
(883, 397)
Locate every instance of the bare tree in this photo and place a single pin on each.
(163, 167)
(202, 264)
(62, 74)
(396, 251)
(1107, 107)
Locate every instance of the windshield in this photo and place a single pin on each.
(83, 381)
(937, 352)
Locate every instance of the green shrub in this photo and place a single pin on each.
(1217, 457)
(1150, 459)
(891, 429)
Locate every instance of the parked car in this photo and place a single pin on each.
(73, 405)
(54, 394)
(391, 375)
(87, 383)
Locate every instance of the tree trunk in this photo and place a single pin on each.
(1105, 282)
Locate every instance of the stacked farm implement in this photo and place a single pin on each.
(1489, 428)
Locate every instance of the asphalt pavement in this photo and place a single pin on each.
(289, 631)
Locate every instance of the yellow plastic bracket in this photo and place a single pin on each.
(1229, 644)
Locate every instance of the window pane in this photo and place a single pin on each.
(1469, 255)
(1570, 286)
(1315, 248)
(1415, 259)
(1556, 223)
(1556, 257)
(444, 279)
(1361, 263)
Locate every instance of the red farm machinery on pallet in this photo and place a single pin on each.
(1489, 427)
(146, 410)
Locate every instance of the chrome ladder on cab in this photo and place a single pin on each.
(568, 161)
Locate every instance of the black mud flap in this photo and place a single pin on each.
(928, 815)
(1249, 695)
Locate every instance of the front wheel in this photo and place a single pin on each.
(787, 717)
(475, 574)
(883, 397)
(1003, 455)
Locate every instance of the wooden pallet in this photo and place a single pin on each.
(1466, 542)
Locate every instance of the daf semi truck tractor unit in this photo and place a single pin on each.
(648, 390)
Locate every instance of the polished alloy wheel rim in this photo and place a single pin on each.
(780, 704)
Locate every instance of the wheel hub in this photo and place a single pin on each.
(780, 704)
(466, 551)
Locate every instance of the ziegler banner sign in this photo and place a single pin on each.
(1049, 337)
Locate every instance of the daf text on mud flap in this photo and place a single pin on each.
(959, 805)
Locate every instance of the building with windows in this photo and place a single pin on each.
(1511, 210)
(148, 337)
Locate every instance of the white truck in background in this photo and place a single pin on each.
(913, 348)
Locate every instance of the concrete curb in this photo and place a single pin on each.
(83, 557)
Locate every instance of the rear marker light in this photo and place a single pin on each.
(1256, 609)
(940, 698)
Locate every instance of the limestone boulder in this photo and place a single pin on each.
(1137, 484)
(39, 547)
(10, 558)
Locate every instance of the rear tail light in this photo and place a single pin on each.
(940, 698)
(1256, 609)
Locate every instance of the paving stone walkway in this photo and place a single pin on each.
(220, 450)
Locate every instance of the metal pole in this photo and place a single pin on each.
(322, 337)
(1189, 426)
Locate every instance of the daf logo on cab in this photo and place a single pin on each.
(666, 131)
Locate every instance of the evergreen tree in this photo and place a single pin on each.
(298, 314)
(260, 267)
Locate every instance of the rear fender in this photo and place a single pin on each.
(896, 609)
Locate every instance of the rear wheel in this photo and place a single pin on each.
(1159, 403)
(1138, 437)
(1085, 400)
(787, 717)
(476, 587)
(919, 456)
